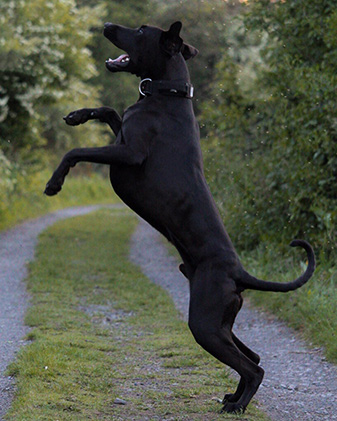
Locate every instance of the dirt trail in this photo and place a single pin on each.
(298, 385)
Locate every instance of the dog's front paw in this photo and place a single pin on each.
(233, 408)
(77, 117)
(52, 188)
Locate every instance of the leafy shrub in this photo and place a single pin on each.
(45, 66)
(274, 137)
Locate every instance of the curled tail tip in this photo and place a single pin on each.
(294, 243)
(300, 243)
(250, 282)
(310, 252)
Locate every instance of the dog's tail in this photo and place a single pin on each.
(250, 282)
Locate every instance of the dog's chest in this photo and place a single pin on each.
(173, 164)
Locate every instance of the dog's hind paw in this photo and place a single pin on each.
(233, 408)
(229, 397)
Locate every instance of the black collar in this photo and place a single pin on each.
(148, 87)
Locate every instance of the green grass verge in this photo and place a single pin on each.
(101, 331)
(28, 201)
(311, 309)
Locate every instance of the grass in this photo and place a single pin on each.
(311, 309)
(28, 201)
(101, 331)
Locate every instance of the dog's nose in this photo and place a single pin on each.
(108, 29)
(108, 25)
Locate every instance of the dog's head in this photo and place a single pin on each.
(147, 49)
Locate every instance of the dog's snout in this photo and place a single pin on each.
(108, 28)
(107, 25)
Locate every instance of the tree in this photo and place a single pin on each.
(285, 124)
(45, 65)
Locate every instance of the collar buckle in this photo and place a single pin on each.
(190, 91)
(143, 89)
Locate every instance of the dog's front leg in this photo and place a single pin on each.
(109, 155)
(103, 114)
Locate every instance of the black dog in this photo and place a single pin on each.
(156, 168)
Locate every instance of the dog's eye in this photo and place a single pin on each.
(140, 30)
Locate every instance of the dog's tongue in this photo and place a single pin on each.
(121, 59)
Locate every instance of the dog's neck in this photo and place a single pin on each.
(175, 69)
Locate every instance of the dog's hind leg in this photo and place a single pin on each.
(188, 267)
(247, 351)
(234, 397)
(214, 304)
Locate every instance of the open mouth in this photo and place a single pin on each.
(120, 62)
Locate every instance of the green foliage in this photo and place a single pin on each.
(22, 195)
(7, 182)
(44, 68)
(275, 132)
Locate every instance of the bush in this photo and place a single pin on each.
(44, 72)
(274, 135)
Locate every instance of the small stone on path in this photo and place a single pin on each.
(119, 401)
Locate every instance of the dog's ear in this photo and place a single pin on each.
(188, 51)
(170, 40)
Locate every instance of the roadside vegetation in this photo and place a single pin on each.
(106, 343)
(28, 200)
(270, 152)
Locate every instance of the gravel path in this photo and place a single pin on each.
(16, 249)
(298, 385)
